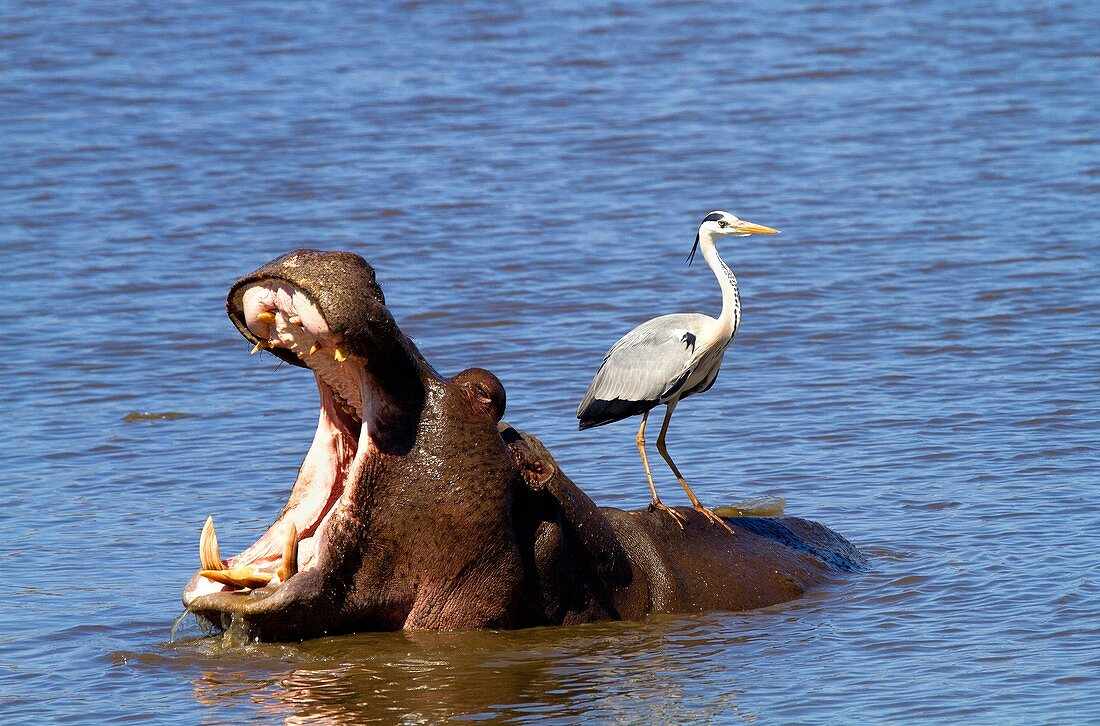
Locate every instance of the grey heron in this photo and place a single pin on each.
(667, 359)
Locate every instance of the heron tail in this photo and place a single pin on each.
(599, 412)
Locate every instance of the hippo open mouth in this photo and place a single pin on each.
(283, 317)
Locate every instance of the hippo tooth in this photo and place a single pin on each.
(209, 556)
(239, 576)
(266, 317)
(260, 345)
(312, 349)
(295, 320)
(289, 568)
(339, 355)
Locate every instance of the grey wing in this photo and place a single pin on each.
(645, 367)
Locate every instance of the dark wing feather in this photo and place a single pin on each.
(645, 368)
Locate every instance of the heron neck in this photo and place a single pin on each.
(730, 318)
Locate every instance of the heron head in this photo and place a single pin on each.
(718, 224)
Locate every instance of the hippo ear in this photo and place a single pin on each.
(536, 473)
(536, 470)
(484, 390)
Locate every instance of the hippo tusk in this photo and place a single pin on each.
(209, 556)
(248, 577)
(289, 568)
(266, 317)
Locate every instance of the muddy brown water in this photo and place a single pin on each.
(917, 365)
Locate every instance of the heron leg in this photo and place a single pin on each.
(714, 518)
(656, 504)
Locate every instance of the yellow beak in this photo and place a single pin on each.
(750, 228)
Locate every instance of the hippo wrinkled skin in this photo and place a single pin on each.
(417, 507)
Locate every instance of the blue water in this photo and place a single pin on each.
(917, 365)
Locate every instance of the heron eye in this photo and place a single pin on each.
(723, 223)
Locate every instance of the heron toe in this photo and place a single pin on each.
(714, 518)
(658, 506)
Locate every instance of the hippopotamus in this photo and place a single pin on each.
(418, 507)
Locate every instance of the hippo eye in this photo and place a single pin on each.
(723, 223)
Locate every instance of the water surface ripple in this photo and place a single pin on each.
(917, 365)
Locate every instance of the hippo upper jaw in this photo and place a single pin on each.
(369, 401)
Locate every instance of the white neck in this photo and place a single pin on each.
(730, 318)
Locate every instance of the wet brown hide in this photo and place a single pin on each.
(458, 521)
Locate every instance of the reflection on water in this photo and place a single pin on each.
(609, 671)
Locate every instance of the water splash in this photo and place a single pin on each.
(177, 623)
(764, 506)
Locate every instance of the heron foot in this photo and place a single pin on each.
(658, 506)
(714, 518)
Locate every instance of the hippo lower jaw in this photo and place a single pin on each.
(276, 569)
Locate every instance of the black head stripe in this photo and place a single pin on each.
(713, 217)
(693, 248)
